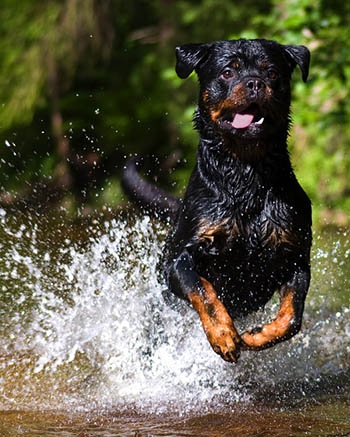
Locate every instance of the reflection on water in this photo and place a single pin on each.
(316, 422)
(84, 330)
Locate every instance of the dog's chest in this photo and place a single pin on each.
(244, 236)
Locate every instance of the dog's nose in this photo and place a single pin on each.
(255, 84)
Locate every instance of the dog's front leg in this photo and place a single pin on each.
(217, 324)
(289, 317)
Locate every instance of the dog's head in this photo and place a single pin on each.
(244, 86)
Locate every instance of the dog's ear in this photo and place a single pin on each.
(299, 55)
(188, 57)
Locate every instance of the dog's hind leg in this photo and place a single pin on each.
(217, 324)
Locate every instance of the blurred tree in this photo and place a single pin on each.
(43, 47)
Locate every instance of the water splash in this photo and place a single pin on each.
(88, 320)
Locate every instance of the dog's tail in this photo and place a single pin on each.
(147, 196)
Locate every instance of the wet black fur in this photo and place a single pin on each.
(242, 184)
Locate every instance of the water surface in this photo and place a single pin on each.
(89, 347)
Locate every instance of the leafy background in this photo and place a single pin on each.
(86, 83)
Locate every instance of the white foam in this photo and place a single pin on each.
(91, 321)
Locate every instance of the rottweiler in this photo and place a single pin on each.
(243, 229)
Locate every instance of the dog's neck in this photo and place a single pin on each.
(249, 152)
(237, 177)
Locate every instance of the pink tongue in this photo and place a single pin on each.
(242, 121)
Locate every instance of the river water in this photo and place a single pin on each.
(88, 347)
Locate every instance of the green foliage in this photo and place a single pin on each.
(85, 83)
(22, 77)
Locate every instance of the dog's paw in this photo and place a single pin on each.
(257, 339)
(225, 342)
(251, 338)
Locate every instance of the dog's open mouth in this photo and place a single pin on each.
(245, 118)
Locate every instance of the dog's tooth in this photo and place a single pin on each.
(261, 121)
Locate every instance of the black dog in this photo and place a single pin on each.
(243, 229)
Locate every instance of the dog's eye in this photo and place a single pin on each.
(227, 73)
(272, 74)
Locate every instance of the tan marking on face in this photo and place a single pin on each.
(237, 98)
(217, 324)
(268, 92)
(216, 113)
(264, 65)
